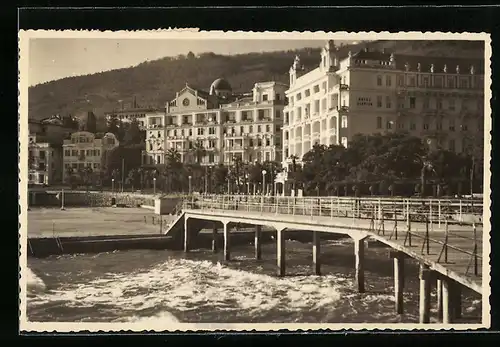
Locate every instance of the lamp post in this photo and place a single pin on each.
(248, 184)
(264, 182)
(112, 185)
(190, 177)
(154, 185)
(62, 199)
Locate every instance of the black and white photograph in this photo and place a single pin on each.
(196, 180)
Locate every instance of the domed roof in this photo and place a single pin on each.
(221, 84)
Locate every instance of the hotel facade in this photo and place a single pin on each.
(438, 99)
(226, 126)
(86, 150)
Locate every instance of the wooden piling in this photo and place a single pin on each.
(214, 238)
(186, 234)
(280, 252)
(258, 242)
(399, 279)
(425, 294)
(447, 301)
(227, 244)
(439, 297)
(359, 253)
(316, 252)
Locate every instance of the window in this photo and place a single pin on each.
(259, 128)
(379, 80)
(438, 81)
(426, 103)
(211, 157)
(401, 125)
(250, 129)
(316, 89)
(451, 125)
(379, 101)
(388, 103)
(307, 93)
(425, 126)
(451, 145)
(439, 104)
(268, 128)
(451, 82)
(42, 154)
(67, 152)
(412, 102)
(278, 96)
(379, 122)
(388, 81)
(451, 104)
(401, 80)
(344, 121)
(439, 125)
(344, 142)
(323, 104)
(388, 124)
(413, 126)
(264, 97)
(278, 114)
(425, 80)
(242, 130)
(211, 144)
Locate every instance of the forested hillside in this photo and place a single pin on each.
(155, 82)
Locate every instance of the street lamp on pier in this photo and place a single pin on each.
(248, 184)
(112, 185)
(190, 177)
(264, 182)
(154, 185)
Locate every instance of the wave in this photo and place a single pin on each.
(33, 282)
(182, 285)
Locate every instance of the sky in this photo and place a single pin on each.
(55, 58)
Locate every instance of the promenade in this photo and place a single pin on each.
(444, 236)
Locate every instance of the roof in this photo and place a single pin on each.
(425, 62)
(221, 84)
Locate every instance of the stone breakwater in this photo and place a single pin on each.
(89, 199)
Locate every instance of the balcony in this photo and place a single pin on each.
(307, 137)
(332, 131)
(154, 126)
(316, 134)
(343, 109)
(344, 86)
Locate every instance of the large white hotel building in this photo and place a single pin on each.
(225, 125)
(439, 99)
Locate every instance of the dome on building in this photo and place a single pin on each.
(220, 85)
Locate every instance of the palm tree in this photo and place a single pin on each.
(199, 151)
(173, 166)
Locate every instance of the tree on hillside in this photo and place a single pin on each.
(190, 55)
(112, 125)
(132, 134)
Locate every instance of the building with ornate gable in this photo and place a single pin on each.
(436, 98)
(226, 125)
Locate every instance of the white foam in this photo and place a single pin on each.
(33, 282)
(179, 285)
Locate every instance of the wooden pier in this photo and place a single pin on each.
(445, 237)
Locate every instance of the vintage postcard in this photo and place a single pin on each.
(179, 180)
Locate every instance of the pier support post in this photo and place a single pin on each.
(425, 294)
(447, 297)
(281, 251)
(399, 279)
(359, 252)
(457, 300)
(186, 234)
(316, 253)
(214, 237)
(258, 242)
(227, 243)
(439, 297)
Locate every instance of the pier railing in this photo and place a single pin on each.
(436, 211)
(394, 219)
